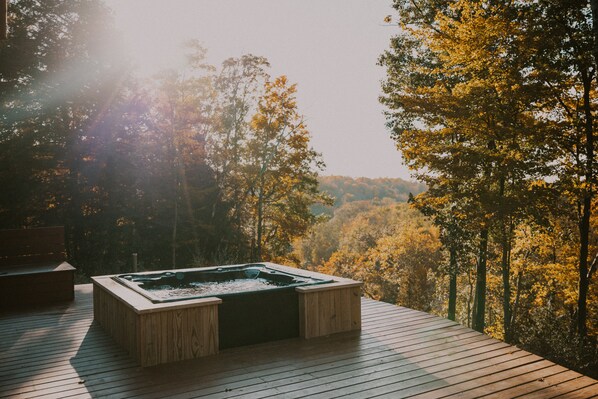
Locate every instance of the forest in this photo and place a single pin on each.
(492, 105)
(206, 165)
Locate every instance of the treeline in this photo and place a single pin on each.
(493, 105)
(345, 189)
(202, 165)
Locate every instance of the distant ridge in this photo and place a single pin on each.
(346, 189)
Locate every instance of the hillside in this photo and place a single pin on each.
(347, 189)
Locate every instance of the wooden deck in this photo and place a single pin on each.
(58, 352)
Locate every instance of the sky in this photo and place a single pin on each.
(328, 47)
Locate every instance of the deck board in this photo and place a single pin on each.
(59, 352)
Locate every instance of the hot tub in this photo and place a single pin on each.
(259, 303)
(174, 315)
(221, 281)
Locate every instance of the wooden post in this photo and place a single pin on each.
(329, 308)
(156, 333)
(135, 263)
(3, 19)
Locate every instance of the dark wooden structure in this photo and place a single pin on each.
(59, 352)
(3, 19)
(33, 270)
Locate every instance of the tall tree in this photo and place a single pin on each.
(454, 235)
(280, 172)
(238, 86)
(564, 35)
(81, 144)
(55, 82)
(181, 117)
(63, 80)
(460, 117)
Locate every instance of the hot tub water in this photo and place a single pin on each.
(220, 281)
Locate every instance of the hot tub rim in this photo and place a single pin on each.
(156, 300)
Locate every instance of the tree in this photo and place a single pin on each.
(238, 86)
(401, 268)
(61, 91)
(545, 262)
(564, 35)
(84, 145)
(44, 62)
(325, 237)
(394, 250)
(181, 118)
(453, 235)
(460, 115)
(280, 172)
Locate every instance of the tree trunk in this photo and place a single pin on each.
(594, 6)
(469, 297)
(584, 230)
(505, 243)
(260, 217)
(506, 274)
(586, 211)
(480, 286)
(452, 302)
(174, 230)
(515, 307)
(3, 19)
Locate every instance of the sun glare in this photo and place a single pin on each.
(152, 35)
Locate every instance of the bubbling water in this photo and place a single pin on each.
(212, 288)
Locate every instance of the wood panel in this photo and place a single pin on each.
(175, 335)
(332, 310)
(118, 320)
(167, 334)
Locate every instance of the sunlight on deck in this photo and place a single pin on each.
(59, 352)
